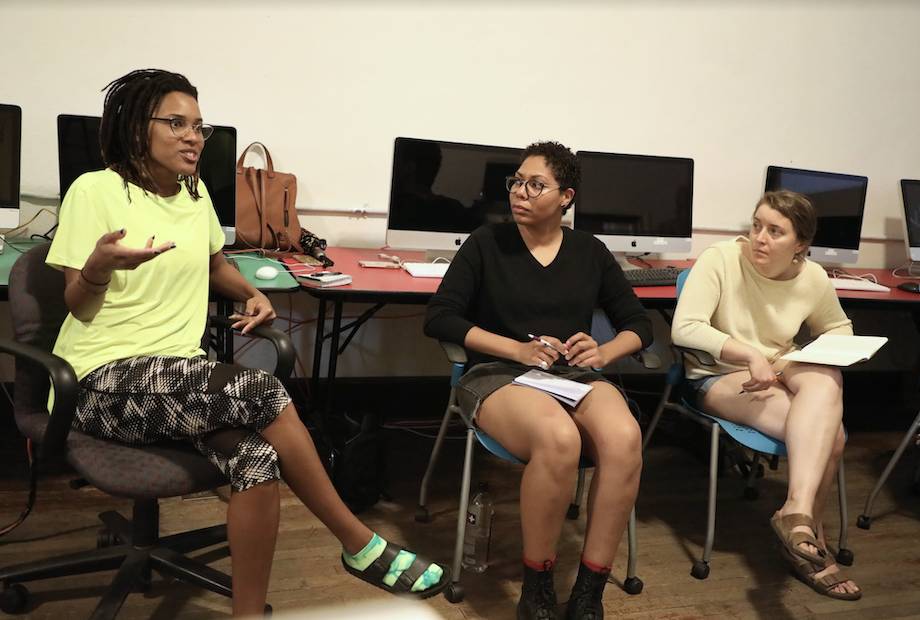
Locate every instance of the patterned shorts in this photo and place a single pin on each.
(220, 408)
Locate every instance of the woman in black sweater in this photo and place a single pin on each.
(532, 276)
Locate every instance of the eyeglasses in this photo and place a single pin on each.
(533, 187)
(180, 127)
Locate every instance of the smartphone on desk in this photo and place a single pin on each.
(379, 264)
(326, 278)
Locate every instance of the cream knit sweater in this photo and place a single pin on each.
(725, 297)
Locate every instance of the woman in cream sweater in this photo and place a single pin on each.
(743, 303)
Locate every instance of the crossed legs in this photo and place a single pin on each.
(537, 429)
(805, 411)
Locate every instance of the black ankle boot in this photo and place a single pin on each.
(585, 601)
(538, 595)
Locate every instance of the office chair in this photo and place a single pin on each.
(760, 445)
(143, 473)
(864, 521)
(454, 592)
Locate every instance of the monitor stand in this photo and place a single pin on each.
(430, 255)
(9, 218)
(624, 264)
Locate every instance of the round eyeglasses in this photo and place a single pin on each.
(533, 187)
(180, 127)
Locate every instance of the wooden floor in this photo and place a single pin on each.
(748, 579)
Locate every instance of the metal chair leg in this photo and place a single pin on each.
(421, 513)
(864, 521)
(632, 584)
(656, 417)
(454, 592)
(750, 491)
(575, 507)
(700, 568)
(844, 555)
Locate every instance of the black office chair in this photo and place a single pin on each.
(142, 473)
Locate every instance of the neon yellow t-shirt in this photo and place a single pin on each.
(161, 307)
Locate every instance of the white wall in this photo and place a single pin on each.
(328, 86)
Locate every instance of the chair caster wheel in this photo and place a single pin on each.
(422, 515)
(454, 593)
(863, 522)
(572, 513)
(267, 612)
(845, 557)
(633, 585)
(14, 599)
(700, 569)
(751, 493)
(105, 538)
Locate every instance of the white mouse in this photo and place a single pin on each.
(267, 272)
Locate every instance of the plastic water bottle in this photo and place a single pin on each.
(478, 531)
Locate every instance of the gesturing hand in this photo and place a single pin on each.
(110, 255)
(535, 353)
(258, 310)
(584, 352)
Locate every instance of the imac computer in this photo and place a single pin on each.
(440, 192)
(839, 200)
(79, 152)
(910, 191)
(10, 159)
(636, 203)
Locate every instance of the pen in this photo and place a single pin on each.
(545, 343)
(776, 375)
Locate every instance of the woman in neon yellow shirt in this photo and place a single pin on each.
(140, 245)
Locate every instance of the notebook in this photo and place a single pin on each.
(565, 391)
(836, 350)
(426, 270)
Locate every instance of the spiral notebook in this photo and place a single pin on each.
(564, 390)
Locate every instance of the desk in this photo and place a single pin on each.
(395, 286)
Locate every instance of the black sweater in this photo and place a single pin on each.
(496, 284)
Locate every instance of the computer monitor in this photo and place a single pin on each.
(217, 168)
(78, 148)
(910, 191)
(839, 200)
(79, 152)
(636, 203)
(10, 161)
(440, 192)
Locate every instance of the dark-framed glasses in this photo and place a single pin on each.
(533, 187)
(180, 127)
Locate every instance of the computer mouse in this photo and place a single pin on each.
(910, 287)
(267, 272)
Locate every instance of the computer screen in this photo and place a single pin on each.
(636, 203)
(79, 152)
(440, 192)
(78, 148)
(217, 168)
(10, 159)
(910, 191)
(839, 200)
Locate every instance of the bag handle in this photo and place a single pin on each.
(267, 156)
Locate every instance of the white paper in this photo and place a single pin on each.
(837, 350)
(564, 390)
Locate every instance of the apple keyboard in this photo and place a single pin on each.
(426, 270)
(852, 284)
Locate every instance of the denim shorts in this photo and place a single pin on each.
(695, 389)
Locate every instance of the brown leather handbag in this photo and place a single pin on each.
(266, 216)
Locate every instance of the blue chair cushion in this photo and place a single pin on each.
(745, 435)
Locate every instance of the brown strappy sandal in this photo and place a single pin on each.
(783, 527)
(805, 572)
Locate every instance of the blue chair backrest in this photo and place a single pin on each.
(681, 279)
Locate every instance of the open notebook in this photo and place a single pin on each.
(837, 350)
(565, 391)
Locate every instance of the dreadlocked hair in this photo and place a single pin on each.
(124, 138)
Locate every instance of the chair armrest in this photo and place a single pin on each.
(284, 348)
(65, 385)
(455, 353)
(648, 359)
(701, 356)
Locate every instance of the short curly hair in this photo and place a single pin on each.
(561, 160)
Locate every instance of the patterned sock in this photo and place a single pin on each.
(401, 562)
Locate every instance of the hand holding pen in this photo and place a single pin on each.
(542, 351)
(763, 374)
